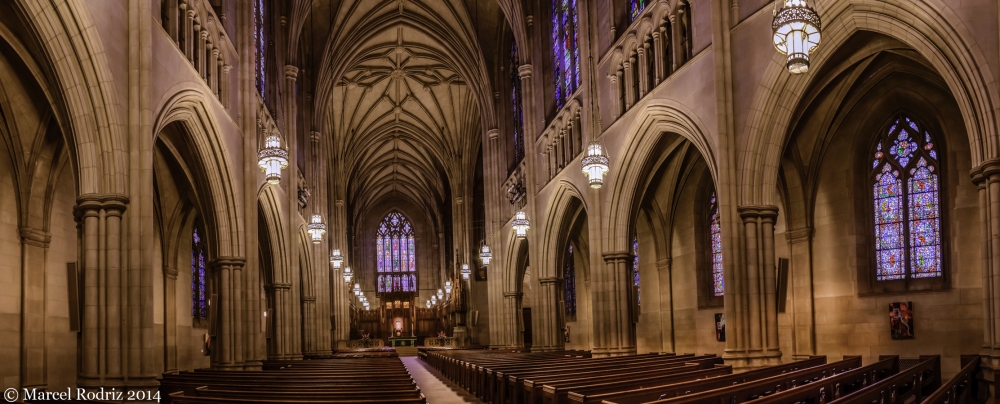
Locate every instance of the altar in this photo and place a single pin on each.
(402, 341)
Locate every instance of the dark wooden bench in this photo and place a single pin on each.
(830, 388)
(910, 385)
(961, 389)
(556, 392)
(180, 398)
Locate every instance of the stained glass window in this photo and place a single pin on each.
(260, 45)
(569, 280)
(715, 224)
(515, 100)
(636, 7)
(199, 307)
(396, 252)
(566, 49)
(635, 268)
(907, 220)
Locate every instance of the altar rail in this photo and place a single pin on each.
(358, 343)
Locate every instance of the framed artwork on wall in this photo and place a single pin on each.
(720, 327)
(901, 320)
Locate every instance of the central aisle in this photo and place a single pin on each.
(435, 387)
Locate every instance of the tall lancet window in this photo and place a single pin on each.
(636, 7)
(569, 280)
(396, 255)
(515, 100)
(260, 45)
(635, 268)
(906, 203)
(566, 49)
(199, 309)
(715, 241)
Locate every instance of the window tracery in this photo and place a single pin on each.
(395, 254)
(199, 309)
(566, 49)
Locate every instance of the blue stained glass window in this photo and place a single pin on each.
(260, 45)
(569, 280)
(395, 251)
(199, 307)
(515, 100)
(636, 7)
(907, 220)
(635, 268)
(566, 49)
(715, 225)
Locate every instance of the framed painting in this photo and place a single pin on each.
(720, 327)
(901, 320)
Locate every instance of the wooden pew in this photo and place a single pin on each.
(910, 385)
(180, 398)
(652, 393)
(533, 385)
(961, 389)
(557, 392)
(831, 388)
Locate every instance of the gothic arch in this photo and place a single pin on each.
(211, 174)
(638, 150)
(931, 29)
(269, 212)
(73, 62)
(561, 215)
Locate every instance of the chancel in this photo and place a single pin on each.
(502, 201)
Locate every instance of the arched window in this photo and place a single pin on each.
(636, 7)
(396, 254)
(715, 241)
(566, 49)
(635, 268)
(569, 280)
(905, 201)
(515, 100)
(199, 310)
(260, 45)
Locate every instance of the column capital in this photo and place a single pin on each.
(90, 204)
(548, 280)
(986, 170)
(799, 235)
(308, 300)
(35, 237)
(236, 262)
(617, 256)
(757, 211)
(314, 136)
(493, 134)
(291, 72)
(512, 294)
(524, 71)
(277, 286)
(170, 273)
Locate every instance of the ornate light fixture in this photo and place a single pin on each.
(272, 159)
(428, 303)
(440, 294)
(796, 30)
(316, 228)
(336, 259)
(485, 255)
(357, 289)
(595, 164)
(348, 275)
(465, 271)
(520, 224)
(447, 286)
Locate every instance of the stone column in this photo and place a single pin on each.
(515, 337)
(658, 56)
(801, 279)
(228, 275)
(614, 333)
(34, 365)
(546, 338)
(87, 215)
(113, 210)
(664, 267)
(675, 44)
(754, 290)
(169, 318)
(629, 82)
(187, 33)
(987, 178)
(642, 69)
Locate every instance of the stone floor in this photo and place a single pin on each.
(436, 387)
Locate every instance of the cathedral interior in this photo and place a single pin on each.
(399, 201)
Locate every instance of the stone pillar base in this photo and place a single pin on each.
(744, 361)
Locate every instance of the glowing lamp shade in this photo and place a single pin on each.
(428, 303)
(272, 159)
(348, 275)
(447, 287)
(465, 271)
(440, 294)
(796, 30)
(316, 228)
(485, 255)
(434, 299)
(520, 224)
(595, 164)
(357, 289)
(336, 259)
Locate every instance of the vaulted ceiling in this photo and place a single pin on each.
(400, 86)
